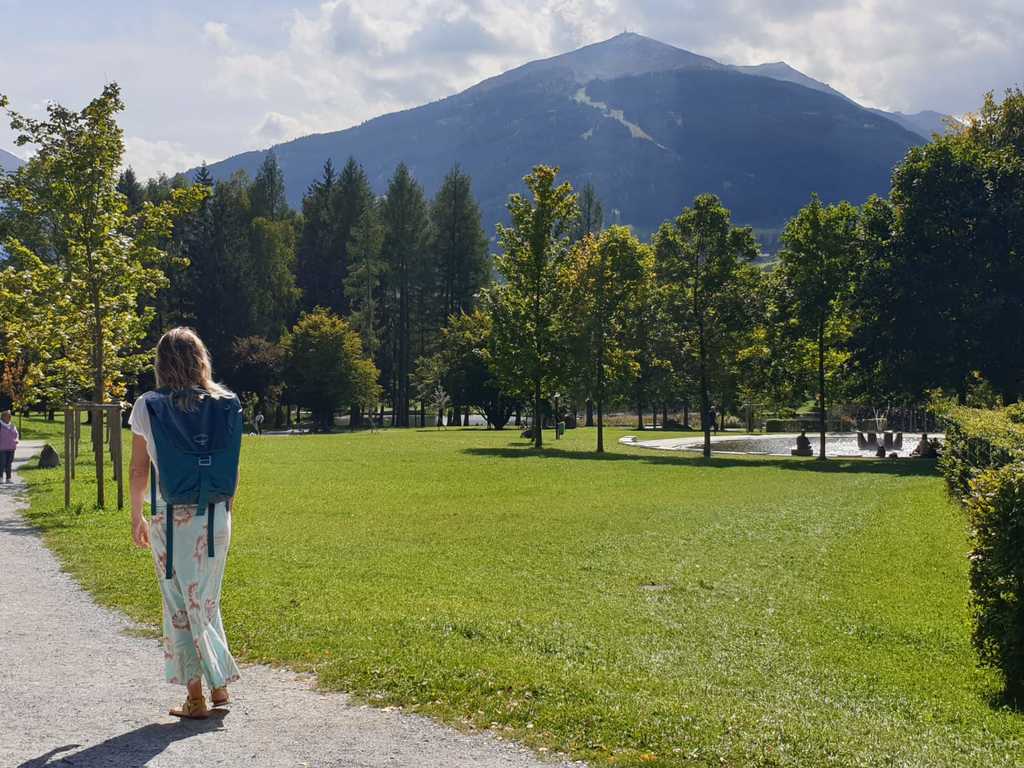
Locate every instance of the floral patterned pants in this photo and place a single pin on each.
(193, 635)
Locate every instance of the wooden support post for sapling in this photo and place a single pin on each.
(113, 420)
(69, 429)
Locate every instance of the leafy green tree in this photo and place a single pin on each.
(644, 330)
(459, 244)
(257, 369)
(462, 363)
(598, 281)
(535, 249)
(404, 248)
(819, 250)
(945, 281)
(325, 368)
(701, 259)
(90, 263)
(84, 239)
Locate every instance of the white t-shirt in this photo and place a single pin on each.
(139, 422)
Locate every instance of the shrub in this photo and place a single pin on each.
(995, 509)
(983, 463)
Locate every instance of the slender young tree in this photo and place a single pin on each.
(819, 252)
(534, 250)
(598, 280)
(701, 257)
(93, 263)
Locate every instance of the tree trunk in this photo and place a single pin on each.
(654, 417)
(686, 413)
(590, 412)
(821, 389)
(639, 415)
(600, 426)
(465, 416)
(99, 374)
(538, 416)
(355, 416)
(519, 416)
(705, 395)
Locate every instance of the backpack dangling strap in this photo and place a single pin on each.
(202, 505)
(209, 529)
(152, 489)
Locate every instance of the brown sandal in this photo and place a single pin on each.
(192, 709)
(218, 701)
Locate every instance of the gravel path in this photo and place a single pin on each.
(77, 690)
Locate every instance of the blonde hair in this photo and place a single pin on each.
(183, 364)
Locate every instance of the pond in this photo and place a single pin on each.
(843, 444)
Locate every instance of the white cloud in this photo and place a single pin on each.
(216, 32)
(260, 74)
(150, 158)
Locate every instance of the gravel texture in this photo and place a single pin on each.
(78, 689)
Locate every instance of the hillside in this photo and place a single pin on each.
(649, 124)
(9, 162)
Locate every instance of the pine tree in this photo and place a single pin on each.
(459, 244)
(406, 224)
(128, 185)
(267, 193)
(315, 272)
(591, 218)
(202, 176)
(352, 197)
(362, 285)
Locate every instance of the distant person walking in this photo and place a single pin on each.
(8, 444)
(186, 432)
(258, 421)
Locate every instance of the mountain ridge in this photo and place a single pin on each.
(648, 152)
(9, 162)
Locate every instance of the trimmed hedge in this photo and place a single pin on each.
(983, 463)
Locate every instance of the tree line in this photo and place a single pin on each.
(360, 302)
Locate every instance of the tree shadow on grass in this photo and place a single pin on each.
(897, 467)
(136, 747)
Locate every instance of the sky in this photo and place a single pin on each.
(203, 80)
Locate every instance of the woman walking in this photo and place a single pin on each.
(8, 444)
(194, 645)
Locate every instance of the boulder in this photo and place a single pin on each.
(48, 458)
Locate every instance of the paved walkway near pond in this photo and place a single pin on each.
(79, 690)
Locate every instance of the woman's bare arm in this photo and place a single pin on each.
(139, 478)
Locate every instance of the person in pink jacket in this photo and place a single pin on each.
(8, 442)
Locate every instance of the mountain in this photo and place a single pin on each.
(650, 125)
(923, 123)
(9, 162)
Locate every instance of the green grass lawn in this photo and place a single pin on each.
(639, 608)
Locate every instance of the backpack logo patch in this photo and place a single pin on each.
(201, 439)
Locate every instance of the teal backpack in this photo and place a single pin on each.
(197, 451)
